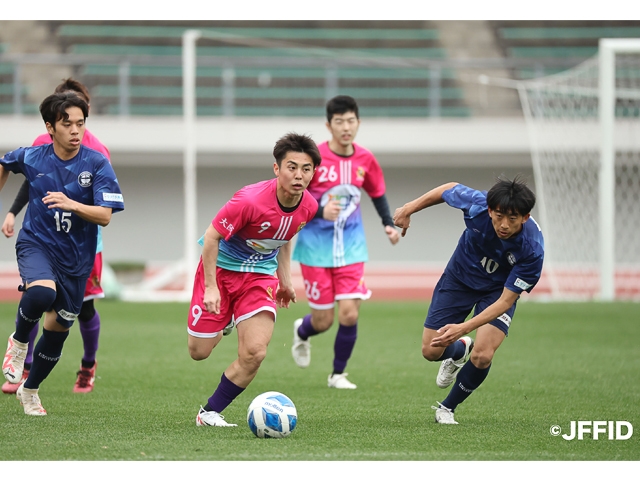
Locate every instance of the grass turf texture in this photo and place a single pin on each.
(561, 363)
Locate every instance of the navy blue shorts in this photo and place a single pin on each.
(34, 264)
(453, 301)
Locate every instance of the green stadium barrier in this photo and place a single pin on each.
(290, 111)
(160, 50)
(567, 33)
(141, 31)
(243, 72)
(552, 52)
(152, 91)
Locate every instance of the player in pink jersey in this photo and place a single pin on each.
(332, 250)
(244, 272)
(89, 318)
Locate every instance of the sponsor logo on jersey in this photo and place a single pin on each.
(85, 179)
(522, 284)
(226, 224)
(67, 315)
(112, 197)
(504, 318)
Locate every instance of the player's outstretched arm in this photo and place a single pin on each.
(402, 215)
(452, 332)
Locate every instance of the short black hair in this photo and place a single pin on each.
(72, 85)
(341, 104)
(511, 197)
(293, 142)
(54, 107)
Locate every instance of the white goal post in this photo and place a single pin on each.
(584, 126)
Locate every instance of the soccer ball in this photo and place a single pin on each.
(272, 415)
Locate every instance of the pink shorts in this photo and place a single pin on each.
(242, 295)
(94, 287)
(324, 286)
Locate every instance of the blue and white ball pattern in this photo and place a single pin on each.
(272, 415)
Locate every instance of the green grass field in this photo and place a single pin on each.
(561, 363)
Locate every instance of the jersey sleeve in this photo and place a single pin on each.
(233, 215)
(12, 161)
(467, 199)
(525, 275)
(106, 189)
(374, 183)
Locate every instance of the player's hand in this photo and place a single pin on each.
(332, 210)
(285, 295)
(9, 223)
(402, 219)
(448, 334)
(393, 234)
(59, 200)
(211, 300)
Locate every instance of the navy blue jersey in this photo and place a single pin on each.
(88, 178)
(485, 262)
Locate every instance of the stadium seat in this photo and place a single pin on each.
(155, 85)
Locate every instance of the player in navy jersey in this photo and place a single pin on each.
(72, 190)
(89, 320)
(244, 272)
(499, 256)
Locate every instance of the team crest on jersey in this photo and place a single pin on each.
(360, 173)
(85, 179)
(511, 259)
(270, 292)
(301, 226)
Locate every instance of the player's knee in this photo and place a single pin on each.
(349, 318)
(322, 320)
(253, 356)
(198, 354)
(481, 358)
(87, 312)
(36, 300)
(431, 354)
(199, 350)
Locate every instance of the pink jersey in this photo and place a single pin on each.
(254, 227)
(89, 140)
(340, 178)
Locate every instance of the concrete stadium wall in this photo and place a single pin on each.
(416, 155)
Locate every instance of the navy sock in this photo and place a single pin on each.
(46, 355)
(34, 302)
(306, 330)
(343, 346)
(226, 393)
(469, 378)
(454, 351)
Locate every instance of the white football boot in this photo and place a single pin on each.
(211, 419)
(301, 349)
(449, 368)
(339, 380)
(444, 415)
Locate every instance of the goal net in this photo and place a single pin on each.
(584, 128)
